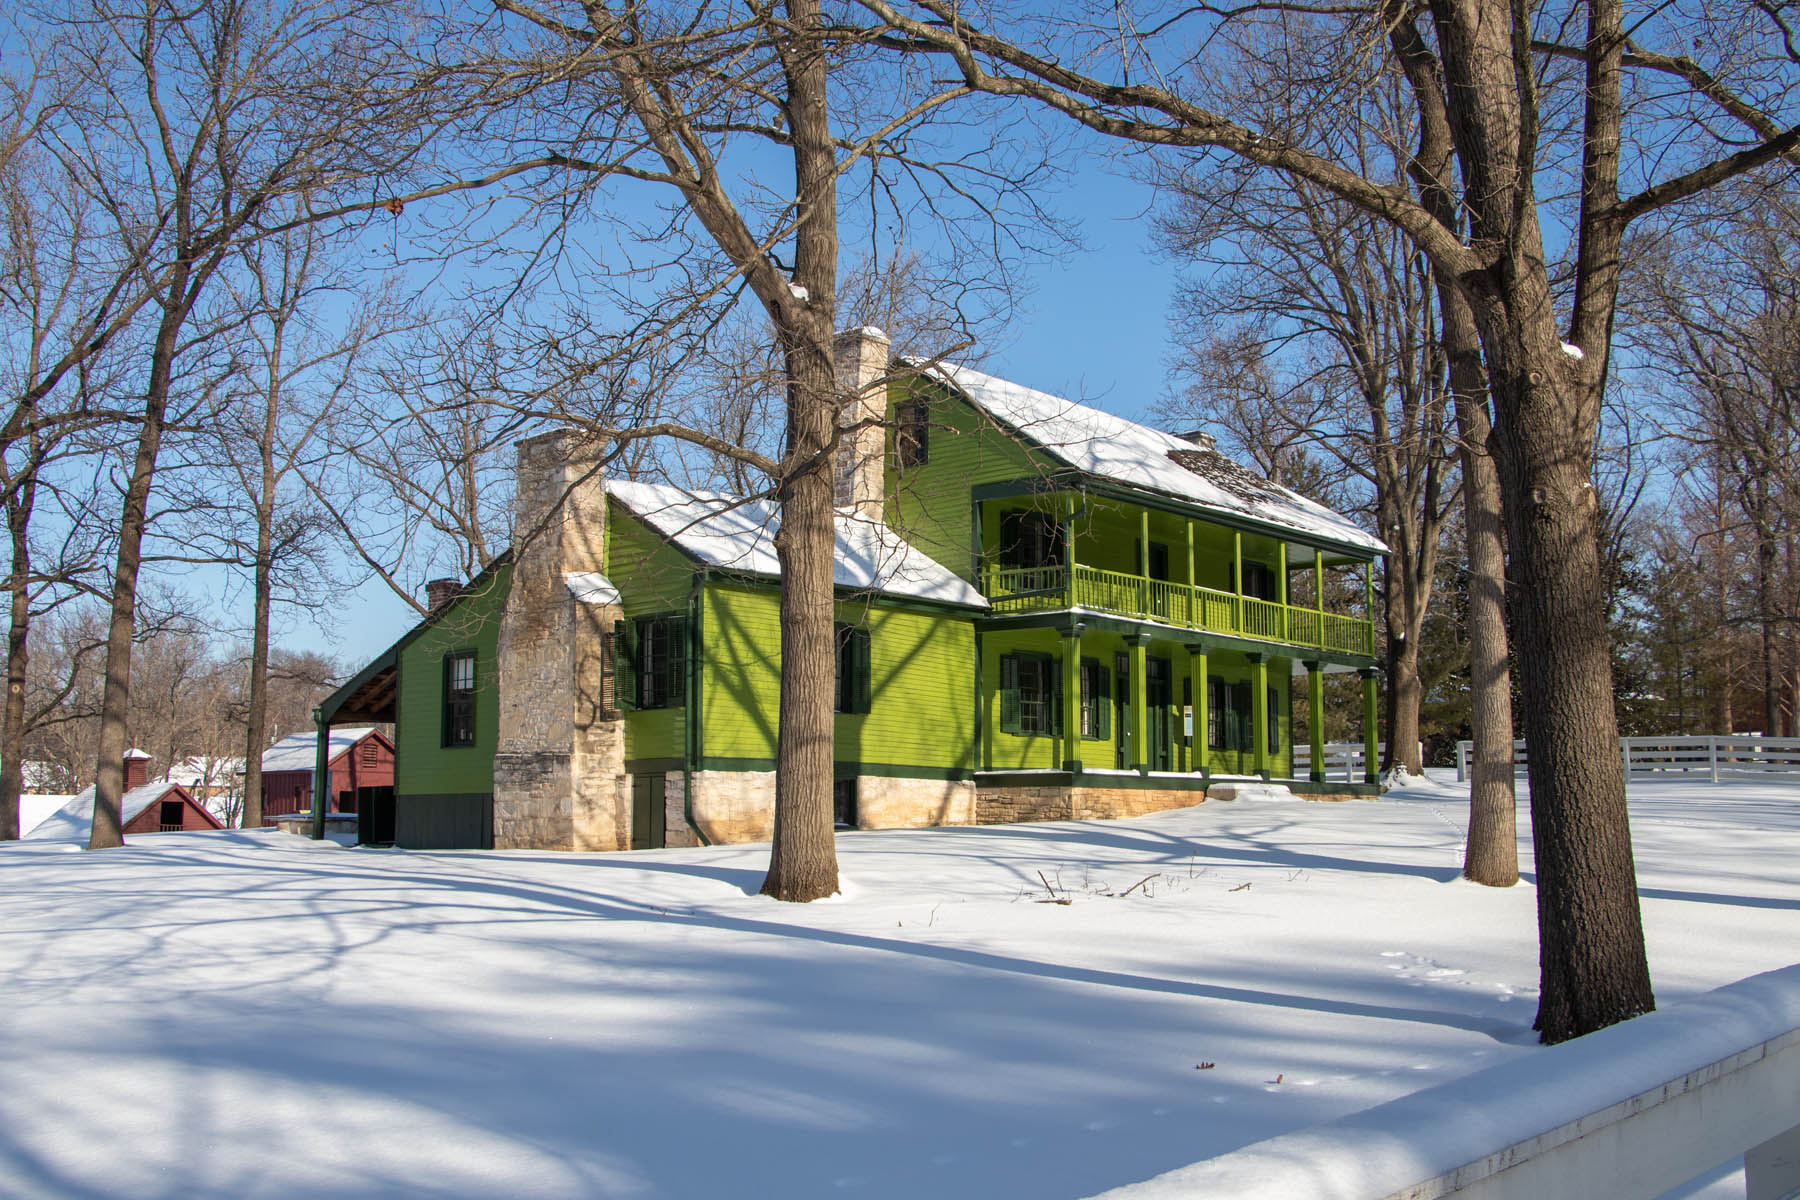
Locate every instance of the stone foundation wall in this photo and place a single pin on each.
(731, 806)
(1011, 805)
(676, 832)
(883, 802)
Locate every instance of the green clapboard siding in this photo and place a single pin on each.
(423, 766)
(929, 505)
(652, 577)
(921, 711)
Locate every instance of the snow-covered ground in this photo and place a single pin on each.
(246, 1015)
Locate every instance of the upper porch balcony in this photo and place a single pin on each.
(1054, 587)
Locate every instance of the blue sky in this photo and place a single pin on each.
(1093, 328)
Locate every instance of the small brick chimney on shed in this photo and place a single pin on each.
(137, 769)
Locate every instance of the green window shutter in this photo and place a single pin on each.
(1274, 721)
(678, 661)
(625, 672)
(864, 673)
(1102, 704)
(1056, 698)
(444, 705)
(1009, 694)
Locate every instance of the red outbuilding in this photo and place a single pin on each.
(360, 759)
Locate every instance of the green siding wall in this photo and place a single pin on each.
(652, 577)
(929, 505)
(1008, 751)
(423, 765)
(921, 697)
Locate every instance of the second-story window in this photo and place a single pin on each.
(1259, 581)
(912, 435)
(459, 698)
(1030, 539)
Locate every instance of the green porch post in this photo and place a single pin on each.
(1319, 591)
(1193, 600)
(1281, 570)
(1140, 702)
(1071, 699)
(1315, 711)
(1237, 580)
(1371, 726)
(321, 773)
(1259, 710)
(1199, 752)
(1068, 524)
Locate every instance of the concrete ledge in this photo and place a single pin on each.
(1630, 1111)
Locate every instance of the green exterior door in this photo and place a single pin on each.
(1159, 695)
(1122, 712)
(647, 795)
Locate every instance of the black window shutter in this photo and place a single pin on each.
(1274, 721)
(625, 671)
(1009, 694)
(1102, 703)
(1054, 677)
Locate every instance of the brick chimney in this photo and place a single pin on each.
(861, 357)
(559, 768)
(137, 769)
(440, 592)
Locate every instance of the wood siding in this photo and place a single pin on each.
(424, 766)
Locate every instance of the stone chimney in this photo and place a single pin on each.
(440, 592)
(861, 357)
(1198, 437)
(137, 769)
(559, 779)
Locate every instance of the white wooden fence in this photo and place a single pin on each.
(1343, 760)
(1713, 755)
(1626, 1113)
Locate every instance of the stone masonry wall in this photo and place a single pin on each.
(887, 803)
(1010, 805)
(558, 768)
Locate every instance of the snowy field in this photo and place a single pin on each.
(231, 1015)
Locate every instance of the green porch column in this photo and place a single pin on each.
(1199, 753)
(1140, 702)
(1068, 545)
(1315, 711)
(1281, 575)
(1319, 591)
(1259, 710)
(321, 773)
(1193, 598)
(1371, 726)
(1237, 580)
(1071, 698)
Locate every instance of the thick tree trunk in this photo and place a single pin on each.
(1592, 963)
(1404, 693)
(115, 700)
(803, 859)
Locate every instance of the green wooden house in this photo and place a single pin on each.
(1045, 612)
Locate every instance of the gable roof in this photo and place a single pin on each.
(296, 751)
(739, 535)
(1113, 448)
(74, 821)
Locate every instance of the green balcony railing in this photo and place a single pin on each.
(1051, 588)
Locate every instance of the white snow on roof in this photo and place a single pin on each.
(203, 771)
(1114, 448)
(74, 821)
(590, 587)
(296, 751)
(739, 535)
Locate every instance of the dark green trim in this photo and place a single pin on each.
(1034, 485)
(639, 766)
(389, 659)
(981, 751)
(842, 769)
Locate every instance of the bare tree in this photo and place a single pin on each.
(1667, 145)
